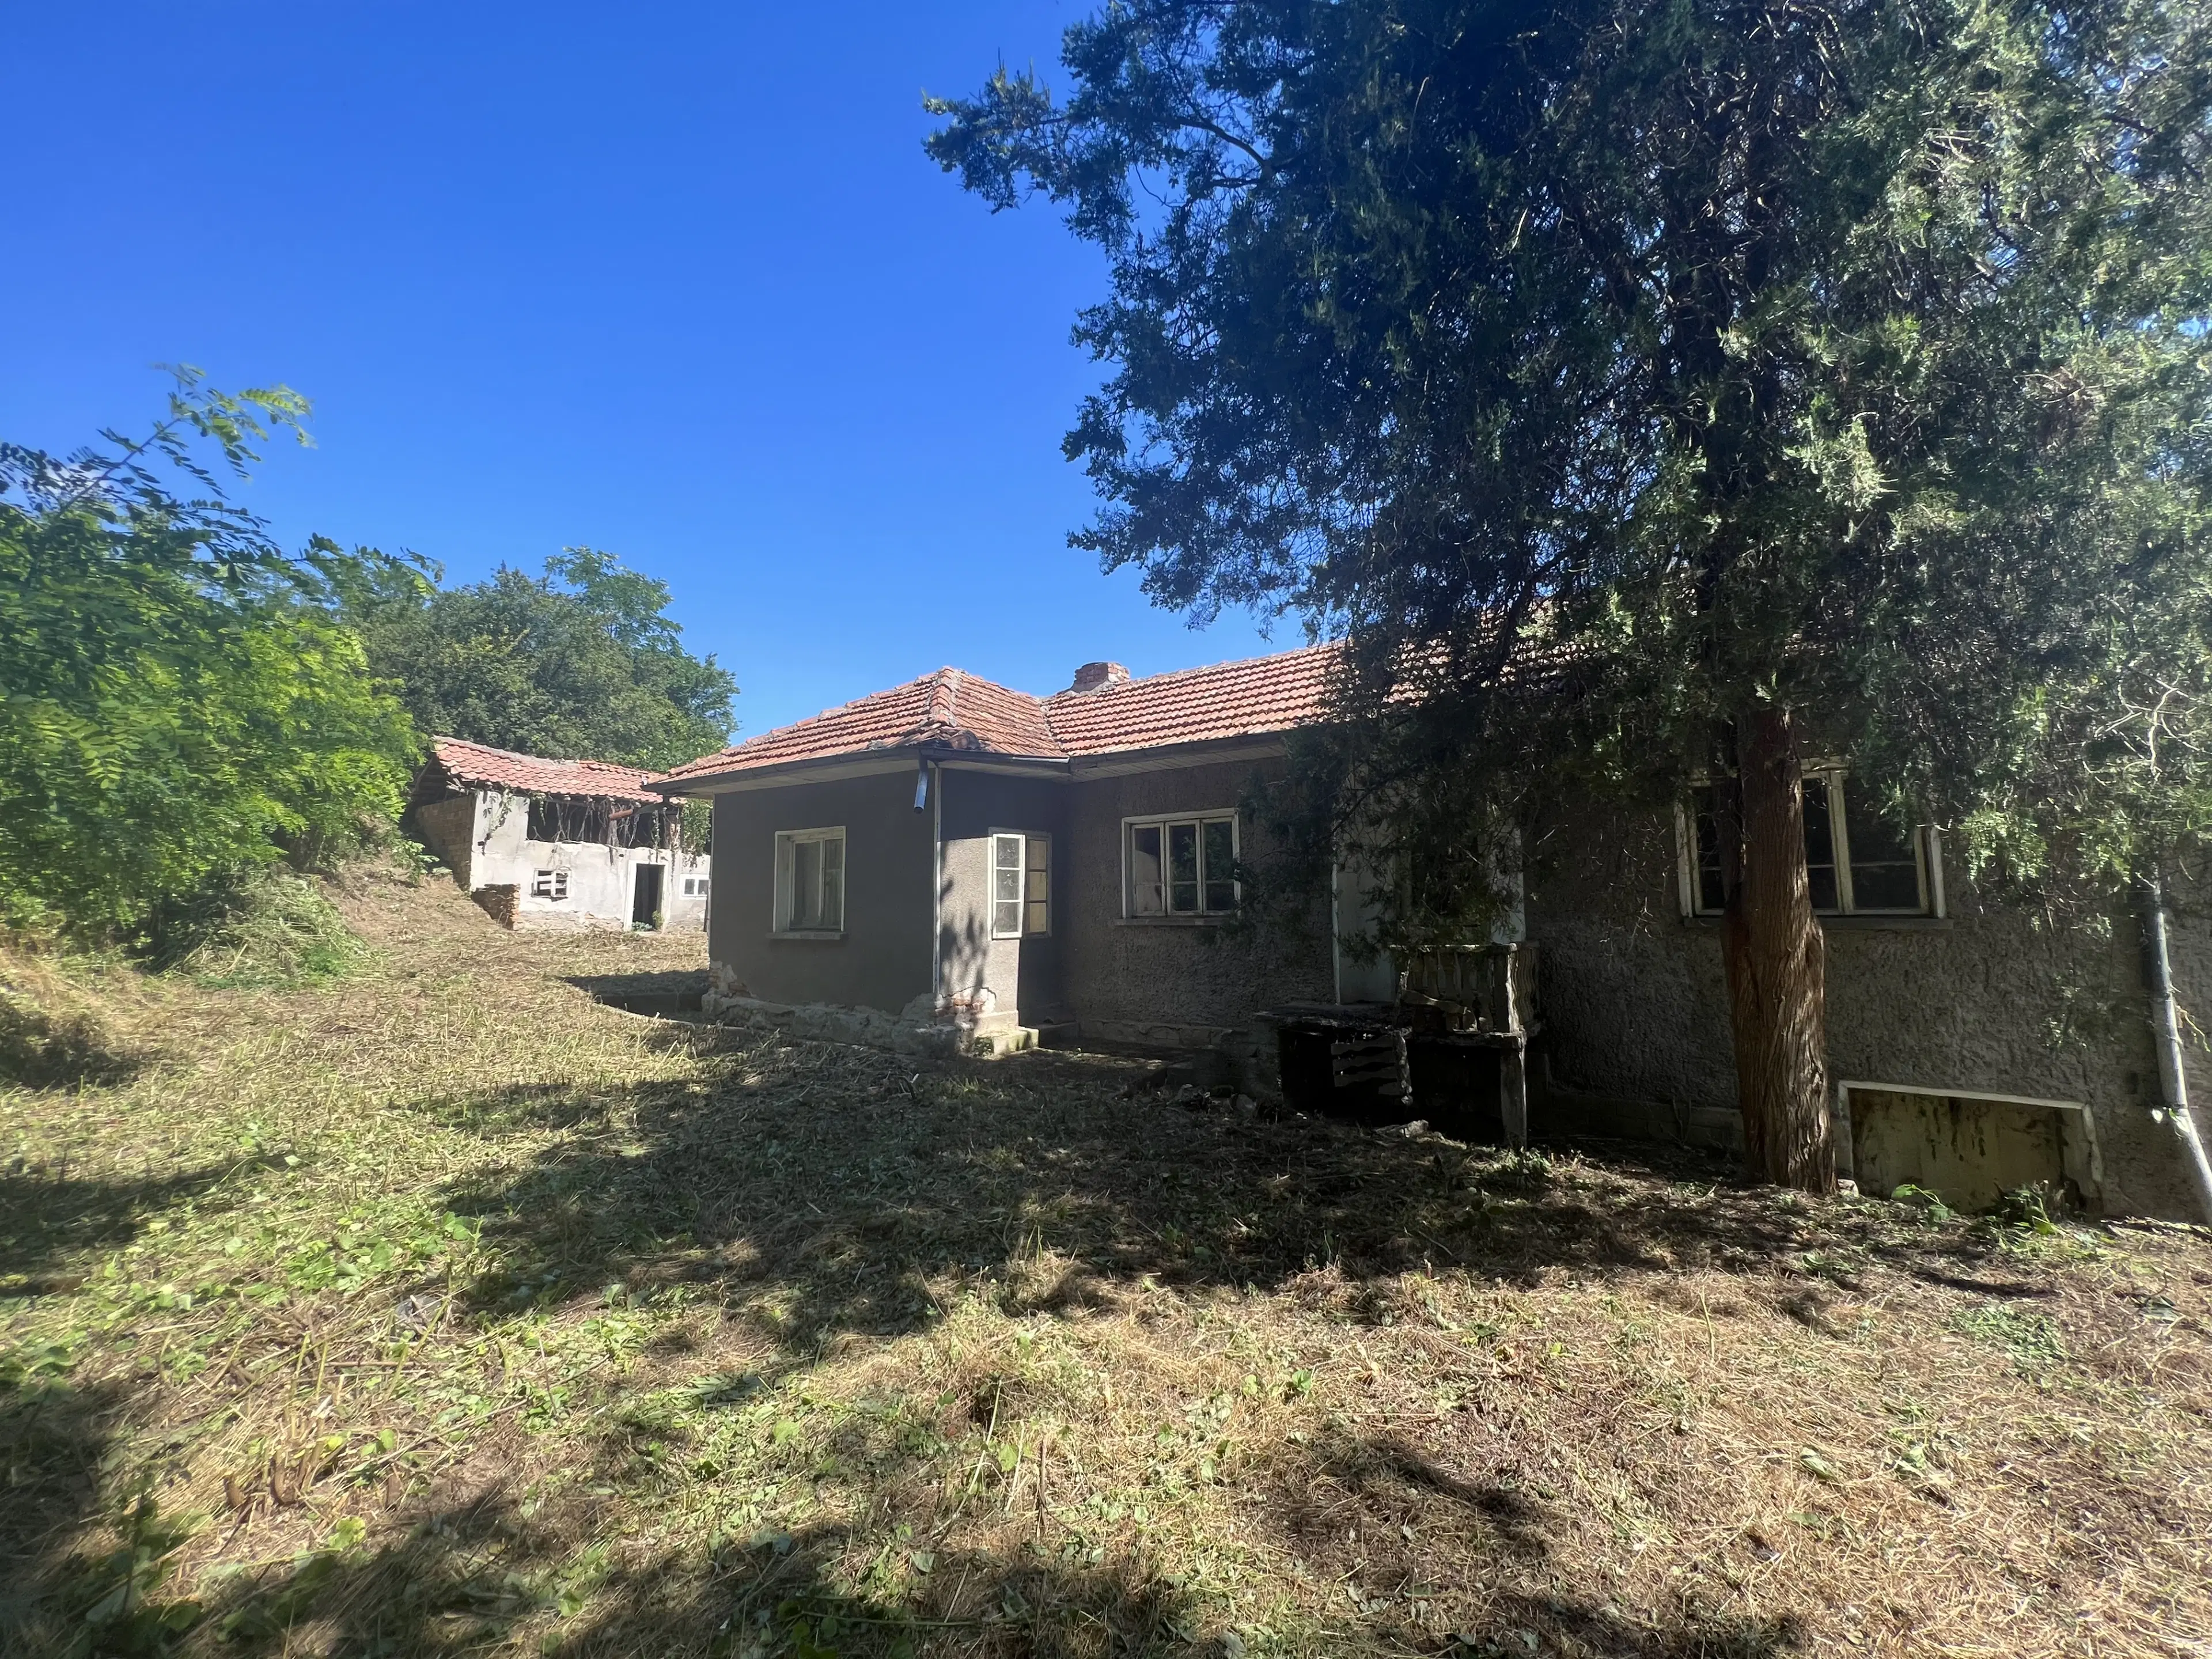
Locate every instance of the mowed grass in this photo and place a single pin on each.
(441, 1310)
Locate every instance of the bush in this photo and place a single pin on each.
(179, 701)
(262, 927)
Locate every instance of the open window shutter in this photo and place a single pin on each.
(833, 883)
(783, 896)
(1037, 887)
(1005, 886)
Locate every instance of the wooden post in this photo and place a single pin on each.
(1513, 1092)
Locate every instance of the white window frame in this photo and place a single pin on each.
(1022, 928)
(695, 887)
(783, 898)
(1927, 849)
(548, 884)
(1161, 820)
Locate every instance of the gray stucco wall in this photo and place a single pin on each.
(1024, 975)
(883, 959)
(1635, 1008)
(1121, 972)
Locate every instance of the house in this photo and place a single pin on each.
(953, 853)
(558, 844)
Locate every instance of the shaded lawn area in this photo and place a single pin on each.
(443, 1310)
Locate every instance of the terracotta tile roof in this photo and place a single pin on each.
(957, 710)
(478, 766)
(949, 708)
(1244, 699)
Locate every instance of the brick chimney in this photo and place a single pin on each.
(1092, 675)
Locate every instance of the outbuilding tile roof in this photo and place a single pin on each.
(957, 710)
(478, 766)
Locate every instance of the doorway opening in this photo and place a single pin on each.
(645, 907)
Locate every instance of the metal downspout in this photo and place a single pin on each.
(2166, 1031)
(937, 887)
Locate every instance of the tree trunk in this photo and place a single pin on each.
(1777, 962)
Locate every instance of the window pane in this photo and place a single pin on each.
(1005, 918)
(1884, 861)
(806, 884)
(1220, 849)
(1183, 868)
(1820, 845)
(1712, 896)
(1040, 922)
(1006, 852)
(1007, 883)
(1147, 895)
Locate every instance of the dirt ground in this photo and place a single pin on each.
(443, 1308)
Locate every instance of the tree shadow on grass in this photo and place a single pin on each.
(672, 991)
(54, 1219)
(474, 1575)
(854, 1184)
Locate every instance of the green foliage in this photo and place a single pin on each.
(257, 928)
(580, 662)
(177, 701)
(1851, 359)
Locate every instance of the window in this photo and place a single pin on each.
(809, 881)
(1021, 885)
(549, 884)
(1858, 861)
(695, 887)
(1181, 866)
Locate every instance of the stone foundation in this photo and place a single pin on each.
(915, 1029)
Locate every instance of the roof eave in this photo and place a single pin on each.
(797, 771)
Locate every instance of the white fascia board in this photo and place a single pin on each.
(1213, 751)
(808, 771)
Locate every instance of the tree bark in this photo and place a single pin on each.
(1777, 961)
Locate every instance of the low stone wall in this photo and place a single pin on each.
(500, 901)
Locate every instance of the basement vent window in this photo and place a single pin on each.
(1859, 862)
(1970, 1149)
(549, 884)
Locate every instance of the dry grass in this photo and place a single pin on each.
(442, 1309)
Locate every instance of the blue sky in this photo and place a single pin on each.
(676, 281)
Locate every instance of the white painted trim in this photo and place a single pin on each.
(1042, 766)
(991, 838)
(1927, 847)
(1842, 1114)
(1213, 752)
(1686, 861)
(1112, 764)
(1184, 815)
(785, 841)
(796, 772)
(1336, 930)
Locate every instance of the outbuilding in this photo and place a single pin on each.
(559, 844)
